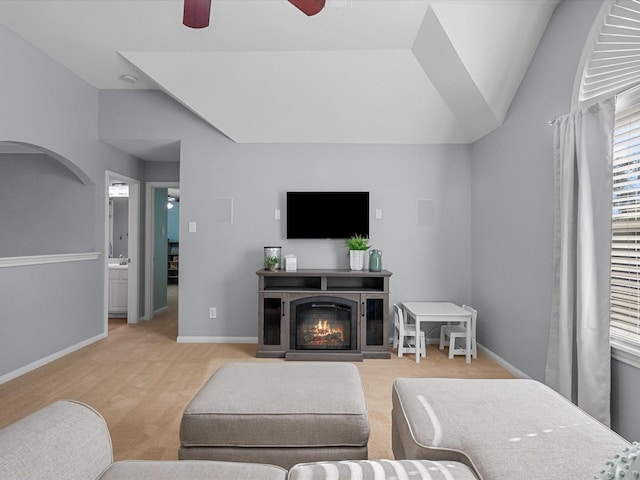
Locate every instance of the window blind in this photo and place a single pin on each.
(625, 246)
(614, 62)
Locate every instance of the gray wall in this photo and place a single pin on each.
(49, 308)
(218, 262)
(625, 380)
(162, 171)
(512, 213)
(512, 198)
(44, 207)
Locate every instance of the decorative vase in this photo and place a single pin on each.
(356, 259)
(375, 260)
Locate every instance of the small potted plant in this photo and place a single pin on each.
(357, 245)
(270, 263)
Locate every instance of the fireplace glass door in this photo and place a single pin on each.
(324, 324)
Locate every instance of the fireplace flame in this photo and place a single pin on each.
(323, 334)
(323, 329)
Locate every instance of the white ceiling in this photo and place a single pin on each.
(360, 71)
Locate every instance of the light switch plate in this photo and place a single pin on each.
(192, 227)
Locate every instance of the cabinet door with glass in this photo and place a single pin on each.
(374, 322)
(273, 325)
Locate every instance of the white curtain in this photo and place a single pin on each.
(578, 357)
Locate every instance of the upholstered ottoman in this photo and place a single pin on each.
(503, 429)
(277, 413)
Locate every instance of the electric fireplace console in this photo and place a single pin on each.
(323, 314)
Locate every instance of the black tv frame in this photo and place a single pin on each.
(327, 215)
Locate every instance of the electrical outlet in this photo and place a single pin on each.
(213, 312)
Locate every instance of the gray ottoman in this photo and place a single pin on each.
(277, 413)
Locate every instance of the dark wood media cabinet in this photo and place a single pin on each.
(276, 291)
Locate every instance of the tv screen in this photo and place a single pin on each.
(327, 214)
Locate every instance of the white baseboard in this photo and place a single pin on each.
(503, 363)
(160, 310)
(145, 318)
(190, 339)
(499, 360)
(49, 358)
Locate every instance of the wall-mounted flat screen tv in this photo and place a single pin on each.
(327, 214)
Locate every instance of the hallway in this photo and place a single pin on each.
(165, 320)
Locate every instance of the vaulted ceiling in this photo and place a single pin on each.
(360, 71)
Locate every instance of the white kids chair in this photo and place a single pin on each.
(450, 333)
(405, 338)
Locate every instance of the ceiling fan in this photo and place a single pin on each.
(197, 12)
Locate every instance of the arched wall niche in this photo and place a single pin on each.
(23, 147)
(48, 203)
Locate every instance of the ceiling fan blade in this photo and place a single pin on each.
(196, 13)
(308, 7)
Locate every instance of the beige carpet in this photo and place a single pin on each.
(140, 380)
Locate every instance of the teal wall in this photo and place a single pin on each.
(173, 215)
(160, 249)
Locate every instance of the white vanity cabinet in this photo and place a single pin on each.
(118, 287)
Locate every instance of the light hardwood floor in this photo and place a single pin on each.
(140, 380)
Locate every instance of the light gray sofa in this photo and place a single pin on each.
(70, 440)
(502, 429)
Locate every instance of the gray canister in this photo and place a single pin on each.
(274, 252)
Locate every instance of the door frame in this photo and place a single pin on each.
(133, 247)
(149, 243)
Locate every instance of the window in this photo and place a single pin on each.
(613, 63)
(610, 65)
(625, 247)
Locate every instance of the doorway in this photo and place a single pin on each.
(162, 245)
(122, 236)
